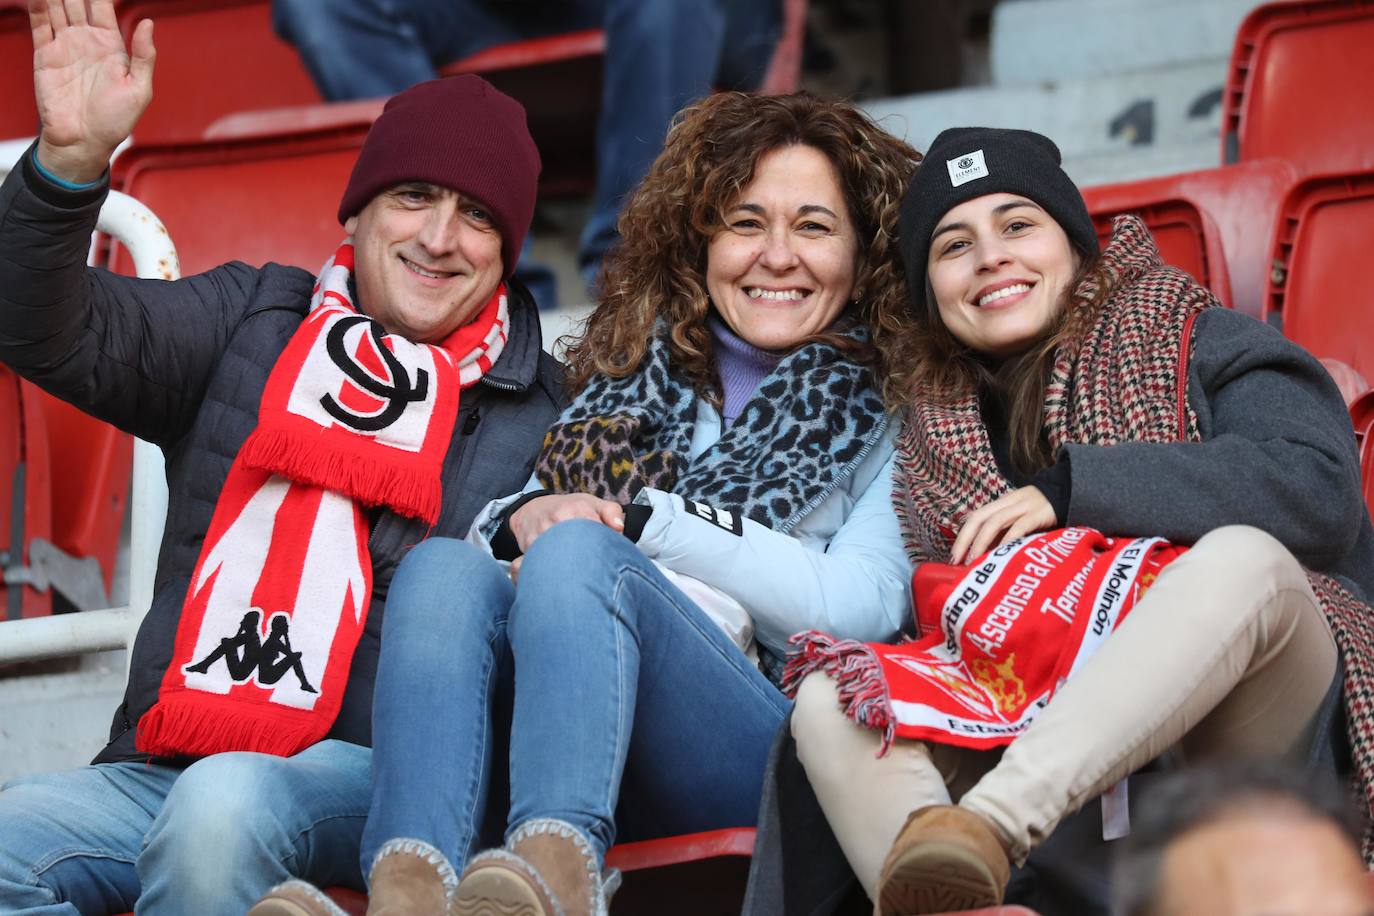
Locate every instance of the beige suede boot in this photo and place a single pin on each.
(945, 858)
(295, 898)
(410, 878)
(548, 868)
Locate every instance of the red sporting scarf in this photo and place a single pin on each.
(1014, 627)
(351, 417)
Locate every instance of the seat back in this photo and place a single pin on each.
(1301, 85)
(18, 116)
(1186, 236)
(25, 493)
(1217, 224)
(214, 57)
(262, 187)
(91, 462)
(1321, 242)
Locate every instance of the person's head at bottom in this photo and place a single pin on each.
(1243, 839)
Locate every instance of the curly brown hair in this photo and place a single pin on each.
(658, 271)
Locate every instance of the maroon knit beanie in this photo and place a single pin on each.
(459, 132)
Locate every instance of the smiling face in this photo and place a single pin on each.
(998, 267)
(783, 267)
(426, 260)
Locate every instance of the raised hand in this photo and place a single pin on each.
(90, 91)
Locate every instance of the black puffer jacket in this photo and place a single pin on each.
(183, 365)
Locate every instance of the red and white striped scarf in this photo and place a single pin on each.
(351, 417)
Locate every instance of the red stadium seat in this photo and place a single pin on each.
(264, 187)
(213, 57)
(91, 462)
(1216, 224)
(1324, 232)
(25, 496)
(1187, 239)
(18, 116)
(1301, 86)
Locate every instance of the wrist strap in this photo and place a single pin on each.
(61, 182)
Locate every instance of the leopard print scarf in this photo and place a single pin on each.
(803, 433)
(1124, 379)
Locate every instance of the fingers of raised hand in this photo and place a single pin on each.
(514, 570)
(103, 14)
(40, 21)
(75, 10)
(142, 53)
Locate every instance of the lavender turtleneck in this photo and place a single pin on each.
(741, 365)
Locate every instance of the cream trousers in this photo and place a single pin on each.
(1228, 653)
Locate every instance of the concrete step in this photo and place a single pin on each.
(1035, 41)
(1143, 162)
(56, 715)
(1153, 120)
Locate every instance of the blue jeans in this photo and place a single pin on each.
(210, 839)
(660, 55)
(631, 709)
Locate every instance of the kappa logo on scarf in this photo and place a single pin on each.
(248, 657)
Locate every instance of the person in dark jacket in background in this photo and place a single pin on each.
(1052, 386)
(314, 430)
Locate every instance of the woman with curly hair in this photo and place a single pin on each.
(721, 480)
(1101, 406)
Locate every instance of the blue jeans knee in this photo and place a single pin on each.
(446, 592)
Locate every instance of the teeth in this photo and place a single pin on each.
(777, 295)
(1003, 293)
(421, 271)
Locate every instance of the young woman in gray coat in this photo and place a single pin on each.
(1058, 386)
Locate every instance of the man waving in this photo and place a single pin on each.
(315, 428)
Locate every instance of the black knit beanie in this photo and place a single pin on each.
(461, 133)
(968, 162)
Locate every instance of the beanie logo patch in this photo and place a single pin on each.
(963, 169)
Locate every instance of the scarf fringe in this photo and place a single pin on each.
(857, 673)
(179, 726)
(341, 465)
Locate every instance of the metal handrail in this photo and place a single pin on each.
(32, 639)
